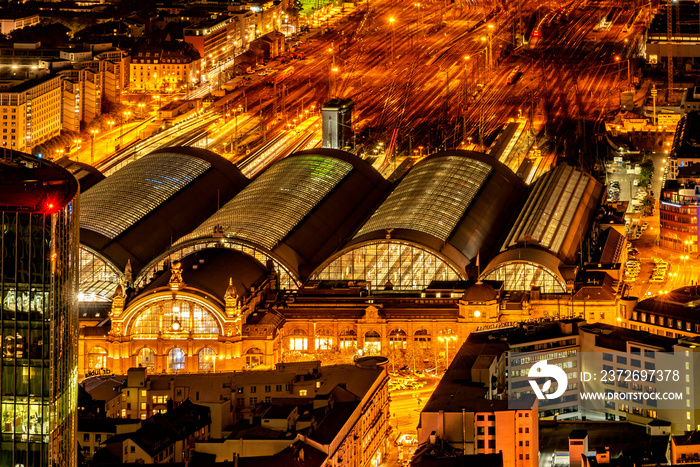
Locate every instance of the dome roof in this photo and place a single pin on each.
(216, 271)
(479, 292)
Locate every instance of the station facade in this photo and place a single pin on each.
(320, 257)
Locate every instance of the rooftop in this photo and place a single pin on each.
(455, 202)
(137, 212)
(30, 184)
(301, 208)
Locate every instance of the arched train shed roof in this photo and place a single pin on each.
(456, 203)
(557, 212)
(301, 209)
(137, 212)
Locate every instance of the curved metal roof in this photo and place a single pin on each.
(432, 198)
(301, 208)
(136, 213)
(557, 212)
(136, 190)
(457, 203)
(267, 210)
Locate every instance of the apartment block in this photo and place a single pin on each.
(158, 68)
(31, 111)
(213, 39)
(10, 21)
(82, 97)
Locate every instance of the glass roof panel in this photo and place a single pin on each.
(550, 208)
(272, 205)
(432, 198)
(127, 196)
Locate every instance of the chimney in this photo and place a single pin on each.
(433, 437)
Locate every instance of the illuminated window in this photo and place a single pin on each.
(421, 339)
(522, 275)
(397, 339)
(174, 317)
(254, 357)
(97, 358)
(147, 359)
(298, 340)
(324, 339)
(407, 266)
(348, 339)
(302, 392)
(206, 358)
(373, 343)
(176, 360)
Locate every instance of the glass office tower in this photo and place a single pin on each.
(38, 312)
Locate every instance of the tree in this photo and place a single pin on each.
(647, 172)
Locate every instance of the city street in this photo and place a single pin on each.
(405, 413)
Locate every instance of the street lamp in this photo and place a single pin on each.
(490, 28)
(467, 59)
(446, 339)
(92, 146)
(422, 26)
(393, 31)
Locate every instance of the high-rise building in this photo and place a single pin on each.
(38, 312)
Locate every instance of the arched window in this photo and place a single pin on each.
(207, 360)
(254, 357)
(348, 339)
(324, 339)
(298, 340)
(147, 359)
(174, 318)
(176, 360)
(97, 358)
(421, 339)
(373, 343)
(397, 339)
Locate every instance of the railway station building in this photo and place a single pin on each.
(321, 257)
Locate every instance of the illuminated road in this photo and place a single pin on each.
(405, 410)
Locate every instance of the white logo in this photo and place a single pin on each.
(542, 370)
